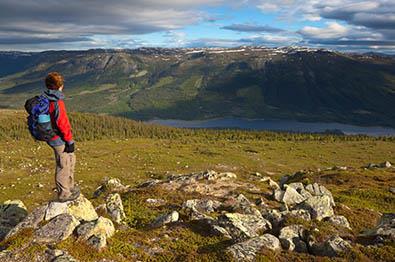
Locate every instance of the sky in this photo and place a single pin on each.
(345, 25)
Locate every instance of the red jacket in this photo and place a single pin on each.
(59, 120)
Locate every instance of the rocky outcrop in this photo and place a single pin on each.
(319, 207)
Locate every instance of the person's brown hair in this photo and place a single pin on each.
(54, 80)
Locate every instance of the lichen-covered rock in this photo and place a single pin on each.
(202, 205)
(274, 216)
(58, 229)
(278, 195)
(298, 213)
(166, 219)
(333, 247)
(97, 241)
(339, 221)
(12, 212)
(101, 227)
(111, 185)
(319, 190)
(31, 221)
(246, 251)
(243, 226)
(115, 208)
(81, 208)
(291, 197)
(293, 238)
(319, 207)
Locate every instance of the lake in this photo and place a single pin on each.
(277, 125)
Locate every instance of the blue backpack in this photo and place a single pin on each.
(39, 121)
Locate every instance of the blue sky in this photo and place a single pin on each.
(346, 25)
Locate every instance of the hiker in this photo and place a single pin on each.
(48, 122)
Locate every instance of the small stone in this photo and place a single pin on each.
(246, 251)
(386, 164)
(166, 219)
(58, 229)
(392, 190)
(97, 241)
(339, 221)
(299, 213)
(111, 185)
(278, 195)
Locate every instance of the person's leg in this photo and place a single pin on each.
(72, 160)
(63, 180)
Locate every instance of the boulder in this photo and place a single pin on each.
(246, 251)
(81, 208)
(339, 221)
(166, 219)
(319, 207)
(115, 208)
(333, 247)
(101, 227)
(58, 229)
(31, 221)
(319, 190)
(243, 226)
(111, 185)
(293, 238)
(12, 212)
(298, 213)
(274, 216)
(291, 197)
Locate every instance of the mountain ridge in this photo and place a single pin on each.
(201, 83)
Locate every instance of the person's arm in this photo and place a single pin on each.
(63, 123)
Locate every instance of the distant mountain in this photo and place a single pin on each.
(249, 82)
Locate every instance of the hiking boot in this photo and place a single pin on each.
(75, 193)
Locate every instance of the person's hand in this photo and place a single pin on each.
(69, 147)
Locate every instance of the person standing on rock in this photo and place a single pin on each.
(62, 142)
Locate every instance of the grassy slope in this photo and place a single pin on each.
(24, 164)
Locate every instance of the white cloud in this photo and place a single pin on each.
(333, 30)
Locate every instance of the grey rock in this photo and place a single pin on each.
(97, 241)
(293, 238)
(339, 221)
(392, 190)
(385, 164)
(299, 213)
(246, 251)
(111, 185)
(202, 205)
(166, 219)
(272, 184)
(58, 229)
(114, 207)
(333, 247)
(12, 212)
(319, 207)
(278, 195)
(386, 226)
(243, 226)
(64, 258)
(101, 227)
(291, 197)
(81, 208)
(274, 216)
(31, 221)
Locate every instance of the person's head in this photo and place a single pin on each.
(54, 81)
